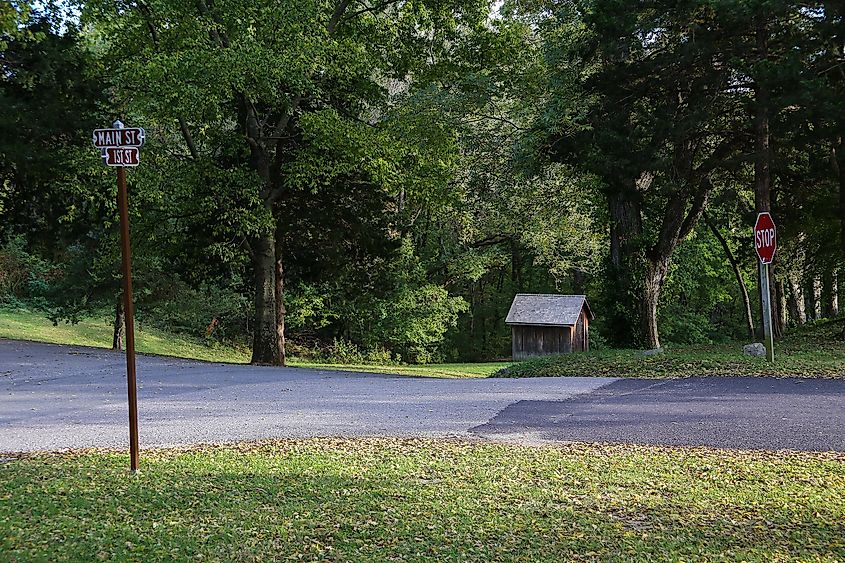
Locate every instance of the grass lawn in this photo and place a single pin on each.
(481, 369)
(389, 499)
(816, 350)
(28, 325)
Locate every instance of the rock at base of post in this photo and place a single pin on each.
(757, 350)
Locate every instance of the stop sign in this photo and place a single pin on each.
(765, 237)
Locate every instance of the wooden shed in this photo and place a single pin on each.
(545, 324)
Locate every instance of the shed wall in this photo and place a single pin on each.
(530, 341)
(581, 339)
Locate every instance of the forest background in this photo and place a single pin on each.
(376, 180)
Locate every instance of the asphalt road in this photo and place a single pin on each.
(55, 397)
(727, 412)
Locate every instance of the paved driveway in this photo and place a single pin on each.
(54, 397)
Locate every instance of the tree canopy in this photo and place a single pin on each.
(381, 178)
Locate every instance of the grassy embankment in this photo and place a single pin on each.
(28, 325)
(816, 350)
(386, 499)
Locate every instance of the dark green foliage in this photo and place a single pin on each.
(51, 93)
(23, 276)
(701, 303)
(432, 161)
(211, 311)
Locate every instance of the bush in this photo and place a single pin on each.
(209, 312)
(414, 321)
(402, 317)
(342, 351)
(597, 341)
(23, 276)
(686, 328)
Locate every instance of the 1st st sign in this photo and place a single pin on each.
(121, 156)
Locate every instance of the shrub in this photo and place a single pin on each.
(23, 276)
(414, 321)
(210, 312)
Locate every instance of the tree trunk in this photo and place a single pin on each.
(831, 297)
(625, 230)
(579, 282)
(808, 301)
(280, 303)
(838, 160)
(797, 305)
(762, 150)
(778, 324)
(762, 168)
(743, 289)
(840, 175)
(265, 345)
(780, 290)
(817, 298)
(625, 226)
(516, 268)
(652, 284)
(119, 325)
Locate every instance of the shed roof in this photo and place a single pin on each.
(546, 309)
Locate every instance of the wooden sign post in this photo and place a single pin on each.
(120, 148)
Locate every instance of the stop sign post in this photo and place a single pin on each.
(120, 147)
(766, 244)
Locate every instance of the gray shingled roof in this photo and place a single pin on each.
(546, 309)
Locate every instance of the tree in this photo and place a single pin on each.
(51, 93)
(287, 99)
(641, 98)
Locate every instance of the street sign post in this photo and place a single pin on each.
(119, 148)
(765, 244)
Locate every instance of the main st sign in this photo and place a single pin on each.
(126, 137)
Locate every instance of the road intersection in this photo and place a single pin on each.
(56, 397)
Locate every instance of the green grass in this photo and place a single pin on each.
(481, 369)
(816, 350)
(389, 499)
(28, 325)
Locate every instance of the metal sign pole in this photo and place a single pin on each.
(123, 209)
(767, 311)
